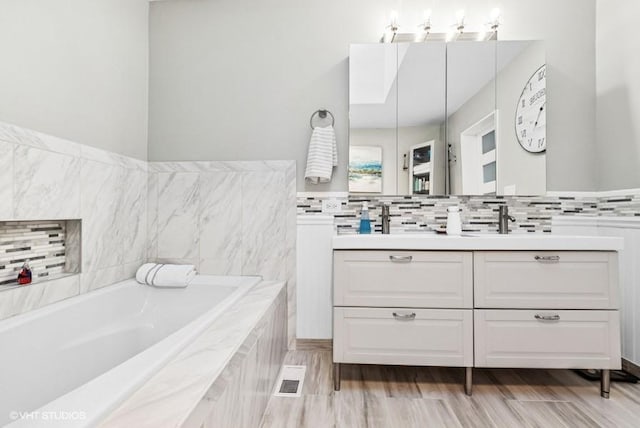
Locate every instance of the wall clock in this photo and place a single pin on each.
(531, 113)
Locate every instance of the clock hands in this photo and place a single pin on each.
(539, 113)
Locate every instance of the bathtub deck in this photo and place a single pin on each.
(384, 396)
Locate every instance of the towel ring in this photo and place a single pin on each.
(321, 114)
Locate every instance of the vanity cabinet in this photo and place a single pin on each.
(403, 307)
(405, 336)
(517, 309)
(558, 339)
(546, 309)
(546, 279)
(415, 279)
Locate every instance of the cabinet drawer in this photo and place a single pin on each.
(427, 279)
(517, 338)
(544, 279)
(441, 337)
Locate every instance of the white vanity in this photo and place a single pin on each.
(518, 301)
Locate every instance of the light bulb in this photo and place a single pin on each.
(393, 20)
(494, 23)
(460, 21)
(426, 23)
(495, 15)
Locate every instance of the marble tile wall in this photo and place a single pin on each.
(44, 177)
(226, 218)
(478, 213)
(240, 395)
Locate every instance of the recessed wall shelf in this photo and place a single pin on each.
(51, 247)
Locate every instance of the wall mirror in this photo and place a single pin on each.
(436, 118)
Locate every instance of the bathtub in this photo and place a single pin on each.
(71, 363)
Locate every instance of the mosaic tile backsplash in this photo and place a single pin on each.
(41, 243)
(479, 214)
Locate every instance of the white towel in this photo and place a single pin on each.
(164, 275)
(323, 155)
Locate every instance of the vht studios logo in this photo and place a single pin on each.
(48, 416)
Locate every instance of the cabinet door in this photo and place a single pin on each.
(422, 337)
(426, 279)
(547, 339)
(546, 279)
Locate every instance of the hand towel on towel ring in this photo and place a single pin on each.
(323, 152)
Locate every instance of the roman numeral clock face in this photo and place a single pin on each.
(531, 114)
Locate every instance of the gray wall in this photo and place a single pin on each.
(526, 171)
(238, 79)
(618, 94)
(77, 69)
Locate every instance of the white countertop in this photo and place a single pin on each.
(513, 242)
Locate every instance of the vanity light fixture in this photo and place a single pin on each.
(491, 27)
(392, 29)
(425, 28)
(457, 31)
(426, 23)
(459, 21)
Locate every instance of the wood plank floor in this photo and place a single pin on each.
(406, 397)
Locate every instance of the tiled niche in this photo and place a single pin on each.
(51, 247)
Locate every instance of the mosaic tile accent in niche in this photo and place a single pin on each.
(479, 213)
(42, 243)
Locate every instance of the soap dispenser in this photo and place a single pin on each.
(454, 224)
(365, 222)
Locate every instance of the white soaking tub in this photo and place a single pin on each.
(71, 363)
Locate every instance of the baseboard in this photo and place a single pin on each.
(630, 367)
(314, 344)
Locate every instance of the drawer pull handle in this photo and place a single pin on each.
(554, 317)
(404, 317)
(401, 259)
(547, 258)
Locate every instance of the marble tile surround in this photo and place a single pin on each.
(226, 218)
(60, 179)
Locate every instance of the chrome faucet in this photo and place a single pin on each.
(386, 219)
(503, 219)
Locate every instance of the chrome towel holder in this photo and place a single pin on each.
(322, 114)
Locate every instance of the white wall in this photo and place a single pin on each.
(618, 94)
(239, 79)
(77, 69)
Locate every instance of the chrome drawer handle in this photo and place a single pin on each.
(547, 258)
(555, 317)
(401, 259)
(404, 317)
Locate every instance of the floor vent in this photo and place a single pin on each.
(290, 381)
